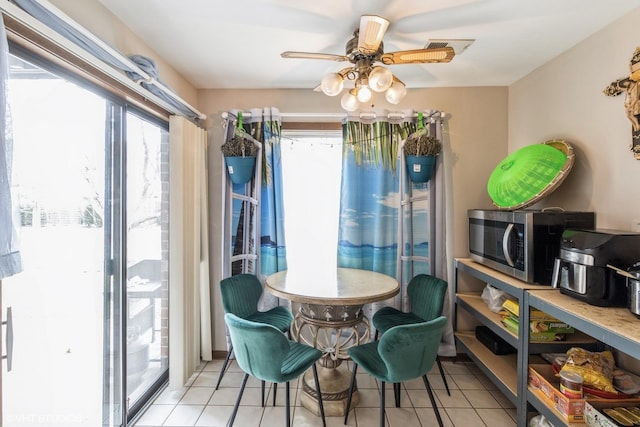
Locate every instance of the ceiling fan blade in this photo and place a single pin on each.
(418, 56)
(314, 55)
(371, 32)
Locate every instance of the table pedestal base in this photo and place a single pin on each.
(334, 383)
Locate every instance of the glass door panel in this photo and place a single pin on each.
(57, 301)
(147, 254)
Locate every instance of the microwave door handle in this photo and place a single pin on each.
(505, 244)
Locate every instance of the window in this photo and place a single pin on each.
(311, 168)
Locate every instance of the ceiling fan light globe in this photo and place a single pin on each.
(380, 79)
(395, 93)
(332, 84)
(349, 101)
(364, 94)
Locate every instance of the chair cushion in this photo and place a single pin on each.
(280, 317)
(388, 317)
(299, 359)
(367, 356)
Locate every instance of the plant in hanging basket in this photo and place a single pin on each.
(421, 150)
(240, 157)
(422, 145)
(238, 146)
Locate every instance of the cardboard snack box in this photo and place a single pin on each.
(512, 325)
(594, 415)
(547, 386)
(534, 315)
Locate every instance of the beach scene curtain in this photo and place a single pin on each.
(370, 209)
(369, 200)
(265, 125)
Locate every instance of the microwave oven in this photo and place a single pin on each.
(522, 243)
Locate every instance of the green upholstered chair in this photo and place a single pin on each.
(264, 352)
(426, 297)
(403, 353)
(240, 296)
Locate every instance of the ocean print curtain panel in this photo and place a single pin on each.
(370, 206)
(264, 124)
(10, 261)
(369, 200)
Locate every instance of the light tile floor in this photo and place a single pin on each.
(474, 401)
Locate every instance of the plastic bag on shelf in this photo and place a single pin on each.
(539, 421)
(494, 298)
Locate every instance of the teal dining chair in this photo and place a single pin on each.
(240, 296)
(426, 298)
(403, 353)
(265, 353)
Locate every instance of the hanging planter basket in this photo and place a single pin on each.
(421, 150)
(420, 168)
(240, 155)
(240, 168)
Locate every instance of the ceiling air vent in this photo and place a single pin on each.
(458, 45)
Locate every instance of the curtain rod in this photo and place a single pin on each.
(362, 115)
(24, 18)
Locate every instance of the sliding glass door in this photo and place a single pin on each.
(147, 355)
(88, 312)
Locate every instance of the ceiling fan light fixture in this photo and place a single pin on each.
(380, 79)
(350, 101)
(332, 84)
(364, 94)
(396, 92)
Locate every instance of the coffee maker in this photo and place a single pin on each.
(581, 270)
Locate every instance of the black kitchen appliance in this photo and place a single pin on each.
(581, 270)
(522, 244)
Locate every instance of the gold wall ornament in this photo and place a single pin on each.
(630, 85)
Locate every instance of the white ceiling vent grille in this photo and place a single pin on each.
(458, 45)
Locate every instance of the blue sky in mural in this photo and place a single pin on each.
(360, 217)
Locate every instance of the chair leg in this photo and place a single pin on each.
(382, 403)
(320, 405)
(396, 393)
(235, 408)
(444, 378)
(275, 390)
(351, 387)
(262, 393)
(287, 416)
(224, 365)
(433, 399)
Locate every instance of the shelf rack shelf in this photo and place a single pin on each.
(615, 327)
(510, 372)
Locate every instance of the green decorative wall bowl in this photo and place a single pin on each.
(530, 174)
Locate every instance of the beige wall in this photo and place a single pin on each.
(101, 22)
(475, 131)
(563, 99)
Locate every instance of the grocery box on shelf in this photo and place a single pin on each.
(594, 415)
(550, 335)
(542, 327)
(546, 386)
(513, 307)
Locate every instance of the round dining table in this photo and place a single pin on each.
(330, 317)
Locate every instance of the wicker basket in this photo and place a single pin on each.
(530, 174)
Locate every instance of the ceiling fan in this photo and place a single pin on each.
(364, 50)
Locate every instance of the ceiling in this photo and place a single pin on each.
(237, 44)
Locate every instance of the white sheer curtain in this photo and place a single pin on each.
(189, 292)
(10, 263)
